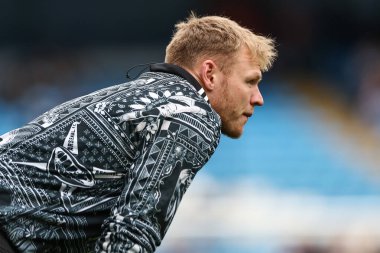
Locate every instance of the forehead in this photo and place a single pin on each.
(245, 63)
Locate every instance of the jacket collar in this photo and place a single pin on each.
(176, 70)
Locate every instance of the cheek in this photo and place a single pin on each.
(240, 97)
(234, 98)
(231, 102)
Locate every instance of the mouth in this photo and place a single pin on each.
(248, 114)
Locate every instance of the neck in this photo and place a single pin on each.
(194, 74)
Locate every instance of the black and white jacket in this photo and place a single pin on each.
(106, 172)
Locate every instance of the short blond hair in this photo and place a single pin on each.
(218, 37)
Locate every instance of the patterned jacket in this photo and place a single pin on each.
(106, 172)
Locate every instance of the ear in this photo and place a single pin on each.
(209, 74)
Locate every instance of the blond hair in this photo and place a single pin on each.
(218, 37)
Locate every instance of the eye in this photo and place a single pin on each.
(252, 82)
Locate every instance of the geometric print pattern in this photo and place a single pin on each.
(106, 172)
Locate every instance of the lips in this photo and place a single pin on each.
(248, 114)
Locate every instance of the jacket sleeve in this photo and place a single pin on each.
(173, 150)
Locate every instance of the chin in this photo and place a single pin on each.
(232, 133)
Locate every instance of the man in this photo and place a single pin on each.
(106, 172)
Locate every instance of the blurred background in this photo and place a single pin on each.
(304, 178)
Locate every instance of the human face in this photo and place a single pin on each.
(239, 94)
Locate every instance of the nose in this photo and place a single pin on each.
(257, 98)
